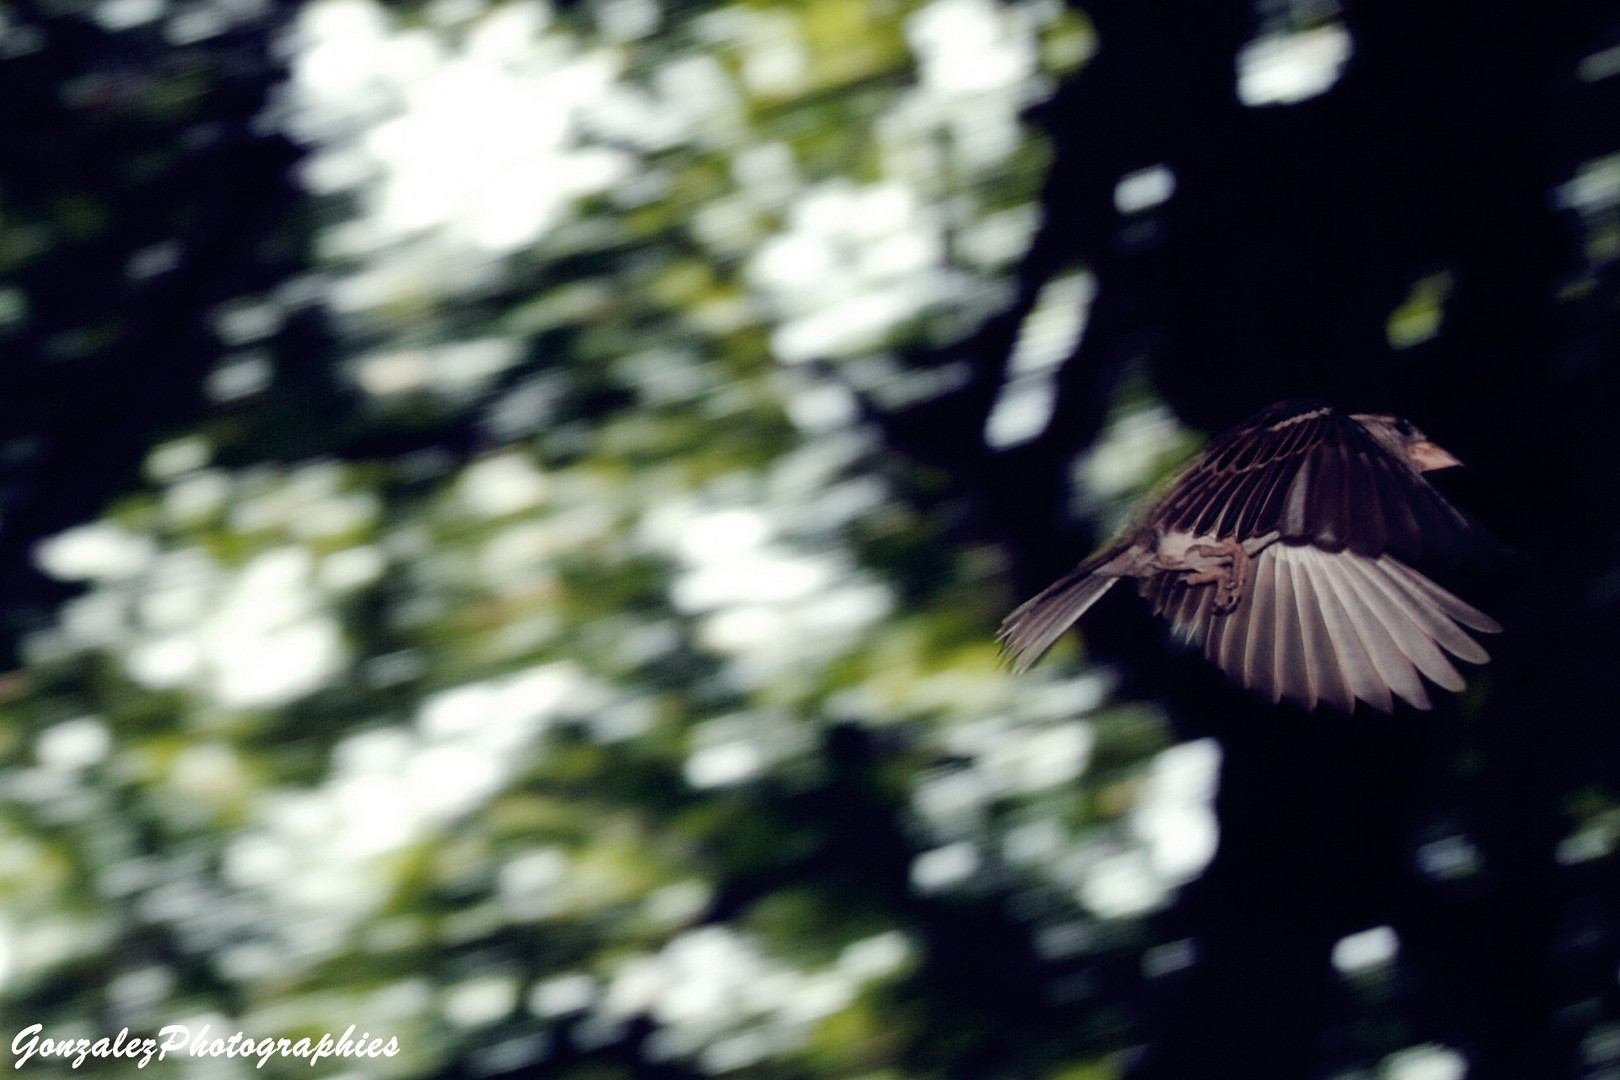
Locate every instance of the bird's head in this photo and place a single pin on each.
(1403, 439)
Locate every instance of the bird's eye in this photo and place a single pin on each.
(1404, 427)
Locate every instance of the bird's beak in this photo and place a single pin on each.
(1428, 456)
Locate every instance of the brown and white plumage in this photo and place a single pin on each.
(1283, 550)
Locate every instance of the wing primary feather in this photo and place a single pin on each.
(1336, 670)
(1260, 641)
(1203, 614)
(1189, 625)
(1164, 594)
(1237, 637)
(1159, 589)
(1225, 645)
(1215, 639)
(1214, 631)
(1327, 678)
(1434, 620)
(1289, 664)
(1176, 601)
(1360, 675)
(1292, 674)
(1464, 613)
(1391, 664)
(1186, 626)
(1411, 627)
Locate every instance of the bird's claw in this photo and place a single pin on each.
(1229, 574)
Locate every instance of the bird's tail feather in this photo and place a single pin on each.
(1028, 632)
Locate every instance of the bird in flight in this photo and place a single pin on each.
(1283, 551)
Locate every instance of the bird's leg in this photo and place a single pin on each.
(1228, 571)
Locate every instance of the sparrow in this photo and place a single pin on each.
(1284, 550)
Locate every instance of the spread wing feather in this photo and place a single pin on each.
(1336, 627)
(1377, 635)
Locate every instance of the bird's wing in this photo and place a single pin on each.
(1315, 476)
(1296, 477)
(1315, 625)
